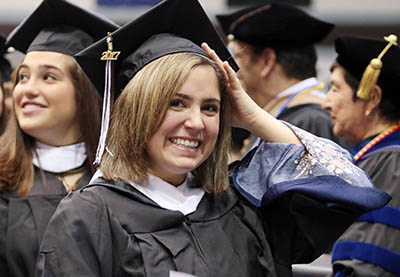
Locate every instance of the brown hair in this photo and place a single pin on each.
(16, 147)
(139, 111)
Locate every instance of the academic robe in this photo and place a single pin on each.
(24, 220)
(371, 246)
(286, 206)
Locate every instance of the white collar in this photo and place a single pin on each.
(182, 198)
(305, 84)
(59, 159)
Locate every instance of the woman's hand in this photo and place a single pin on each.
(245, 110)
(246, 113)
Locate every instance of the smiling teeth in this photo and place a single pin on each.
(186, 143)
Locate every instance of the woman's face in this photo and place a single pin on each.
(348, 116)
(44, 98)
(189, 131)
(249, 68)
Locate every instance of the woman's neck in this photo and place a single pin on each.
(377, 125)
(174, 180)
(57, 142)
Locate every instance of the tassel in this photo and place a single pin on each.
(371, 73)
(109, 56)
(105, 117)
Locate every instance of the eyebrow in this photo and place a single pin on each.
(43, 67)
(187, 97)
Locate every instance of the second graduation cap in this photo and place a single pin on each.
(59, 26)
(170, 27)
(355, 54)
(274, 25)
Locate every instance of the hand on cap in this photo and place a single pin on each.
(246, 113)
(245, 110)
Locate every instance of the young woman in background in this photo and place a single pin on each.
(49, 146)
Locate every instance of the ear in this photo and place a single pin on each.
(376, 93)
(268, 58)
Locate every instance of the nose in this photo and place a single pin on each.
(326, 104)
(194, 120)
(27, 88)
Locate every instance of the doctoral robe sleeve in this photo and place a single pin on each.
(308, 194)
(77, 241)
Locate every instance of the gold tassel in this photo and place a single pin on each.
(371, 73)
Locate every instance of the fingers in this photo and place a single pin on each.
(232, 77)
(230, 74)
(213, 55)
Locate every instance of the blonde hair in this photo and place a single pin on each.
(139, 111)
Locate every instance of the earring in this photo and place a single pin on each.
(368, 114)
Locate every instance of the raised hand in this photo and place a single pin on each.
(246, 113)
(245, 110)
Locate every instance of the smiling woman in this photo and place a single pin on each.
(44, 98)
(163, 202)
(184, 140)
(189, 130)
(48, 149)
(192, 117)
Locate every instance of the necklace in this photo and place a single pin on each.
(385, 133)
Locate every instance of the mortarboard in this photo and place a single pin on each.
(59, 26)
(186, 24)
(356, 55)
(274, 25)
(172, 26)
(5, 66)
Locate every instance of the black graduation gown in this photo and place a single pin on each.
(111, 229)
(312, 118)
(23, 222)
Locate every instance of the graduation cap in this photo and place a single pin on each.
(184, 25)
(173, 26)
(5, 66)
(372, 61)
(274, 25)
(59, 26)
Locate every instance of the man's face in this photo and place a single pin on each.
(250, 67)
